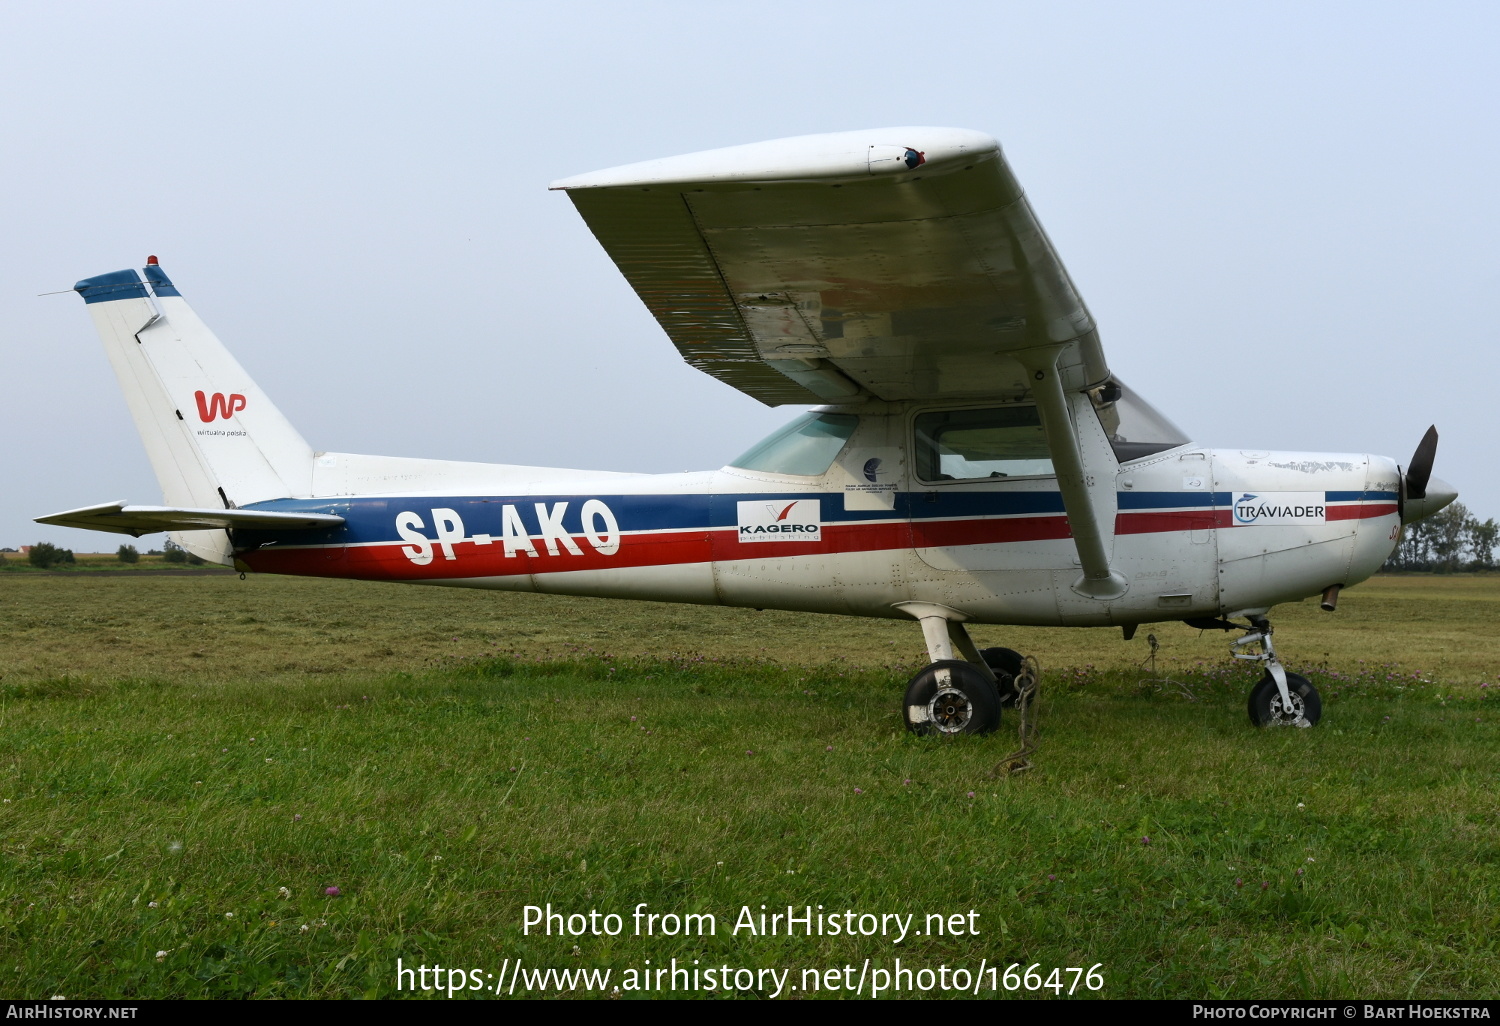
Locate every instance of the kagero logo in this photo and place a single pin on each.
(218, 405)
(798, 520)
(1279, 508)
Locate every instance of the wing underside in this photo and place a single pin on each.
(894, 264)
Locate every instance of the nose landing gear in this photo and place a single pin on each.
(1279, 698)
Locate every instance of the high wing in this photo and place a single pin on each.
(895, 263)
(139, 520)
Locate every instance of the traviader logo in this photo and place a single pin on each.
(218, 405)
(798, 520)
(1279, 508)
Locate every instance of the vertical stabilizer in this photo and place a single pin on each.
(213, 437)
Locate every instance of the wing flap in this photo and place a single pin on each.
(119, 518)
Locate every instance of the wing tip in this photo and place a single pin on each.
(828, 155)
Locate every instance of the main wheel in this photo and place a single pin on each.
(1005, 663)
(951, 696)
(1003, 660)
(1266, 707)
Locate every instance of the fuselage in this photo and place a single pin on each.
(1196, 532)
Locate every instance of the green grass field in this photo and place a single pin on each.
(177, 750)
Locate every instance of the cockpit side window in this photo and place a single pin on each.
(806, 447)
(1135, 428)
(968, 445)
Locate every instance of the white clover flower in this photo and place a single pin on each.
(303, 928)
(228, 915)
(150, 904)
(283, 892)
(161, 956)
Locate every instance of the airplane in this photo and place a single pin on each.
(970, 457)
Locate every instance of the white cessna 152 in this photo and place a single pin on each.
(974, 459)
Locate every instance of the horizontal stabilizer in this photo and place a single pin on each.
(139, 520)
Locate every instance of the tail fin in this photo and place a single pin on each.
(213, 437)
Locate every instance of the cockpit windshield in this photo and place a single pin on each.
(806, 447)
(1134, 427)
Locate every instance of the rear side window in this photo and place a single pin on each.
(806, 447)
(969, 445)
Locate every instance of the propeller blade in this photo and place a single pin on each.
(1420, 469)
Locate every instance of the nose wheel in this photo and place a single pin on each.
(1279, 698)
(1301, 708)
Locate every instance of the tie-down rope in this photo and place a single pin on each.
(1026, 684)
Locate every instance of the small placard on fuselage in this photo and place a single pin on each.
(1256, 509)
(781, 520)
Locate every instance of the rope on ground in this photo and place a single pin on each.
(1026, 684)
(1162, 683)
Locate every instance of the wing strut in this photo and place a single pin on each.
(1098, 580)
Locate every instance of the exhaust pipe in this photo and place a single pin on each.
(1330, 598)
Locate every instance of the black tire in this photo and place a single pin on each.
(1265, 703)
(1005, 663)
(951, 696)
(1003, 660)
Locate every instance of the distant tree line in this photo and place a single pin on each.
(45, 554)
(1449, 541)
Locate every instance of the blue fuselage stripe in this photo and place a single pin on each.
(372, 519)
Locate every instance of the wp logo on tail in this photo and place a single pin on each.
(218, 405)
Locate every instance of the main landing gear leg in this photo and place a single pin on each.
(1279, 698)
(957, 692)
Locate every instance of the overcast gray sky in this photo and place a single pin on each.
(1283, 216)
